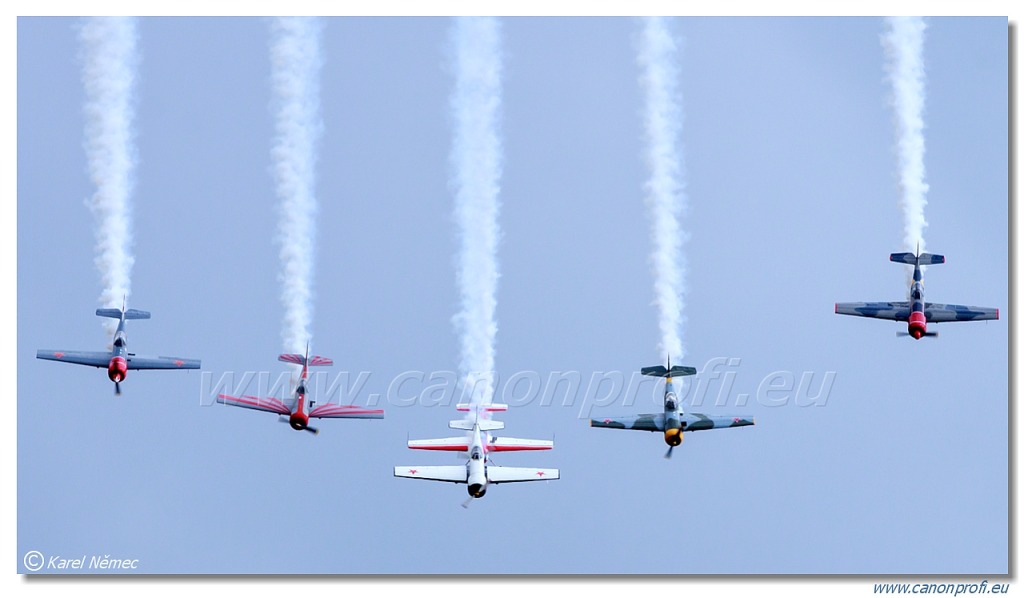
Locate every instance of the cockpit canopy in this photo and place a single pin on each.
(670, 401)
(119, 340)
(475, 455)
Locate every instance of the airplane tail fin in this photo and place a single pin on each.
(129, 314)
(925, 259)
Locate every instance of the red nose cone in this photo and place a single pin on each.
(298, 421)
(917, 325)
(117, 369)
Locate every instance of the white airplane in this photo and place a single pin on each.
(478, 471)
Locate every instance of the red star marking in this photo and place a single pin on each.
(179, 362)
(413, 471)
(607, 421)
(735, 420)
(540, 474)
(58, 355)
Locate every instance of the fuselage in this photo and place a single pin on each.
(673, 416)
(917, 324)
(117, 369)
(476, 467)
(299, 419)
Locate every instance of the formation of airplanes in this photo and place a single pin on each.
(477, 443)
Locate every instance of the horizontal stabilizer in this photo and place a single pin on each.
(925, 259)
(131, 314)
(485, 424)
(661, 372)
(300, 359)
(492, 407)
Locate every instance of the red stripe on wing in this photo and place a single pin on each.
(269, 403)
(328, 410)
(441, 447)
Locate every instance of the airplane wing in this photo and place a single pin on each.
(655, 422)
(438, 473)
(886, 310)
(502, 443)
(650, 422)
(268, 404)
(139, 362)
(346, 411)
(497, 444)
(458, 443)
(93, 358)
(942, 312)
(503, 475)
(699, 421)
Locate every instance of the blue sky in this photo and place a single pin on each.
(791, 180)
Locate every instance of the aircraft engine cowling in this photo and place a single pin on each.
(674, 436)
(118, 369)
(477, 481)
(298, 421)
(917, 326)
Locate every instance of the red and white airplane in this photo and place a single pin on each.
(294, 411)
(478, 471)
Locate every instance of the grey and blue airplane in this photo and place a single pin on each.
(673, 421)
(118, 360)
(916, 312)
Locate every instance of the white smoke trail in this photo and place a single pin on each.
(108, 74)
(904, 43)
(295, 67)
(476, 164)
(666, 201)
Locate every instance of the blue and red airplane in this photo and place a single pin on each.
(916, 312)
(118, 360)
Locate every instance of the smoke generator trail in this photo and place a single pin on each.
(904, 43)
(295, 70)
(666, 201)
(110, 60)
(476, 170)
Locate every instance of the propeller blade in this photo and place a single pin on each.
(117, 388)
(668, 455)
(283, 419)
(312, 429)
(466, 504)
